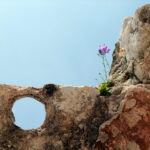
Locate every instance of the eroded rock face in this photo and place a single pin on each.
(73, 117)
(78, 118)
(129, 129)
(132, 54)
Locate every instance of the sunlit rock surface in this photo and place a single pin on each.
(78, 118)
(132, 53)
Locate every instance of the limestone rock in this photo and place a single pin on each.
(132, 53)
(73, 117)
(129, 129)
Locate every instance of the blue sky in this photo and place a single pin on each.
(56, 41)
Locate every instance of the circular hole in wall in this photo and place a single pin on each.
(28, 113)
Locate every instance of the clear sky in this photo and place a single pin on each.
(56, 41)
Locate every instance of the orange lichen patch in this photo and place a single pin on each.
(120, 52)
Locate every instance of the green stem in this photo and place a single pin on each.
(102, 77)
(104, 65)
(107, 62)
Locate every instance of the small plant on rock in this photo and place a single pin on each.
(104, 87)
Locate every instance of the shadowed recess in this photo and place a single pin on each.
(28, 113)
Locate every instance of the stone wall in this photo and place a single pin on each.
(73, 117)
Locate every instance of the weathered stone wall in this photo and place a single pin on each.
(78, 118)
(73, 117)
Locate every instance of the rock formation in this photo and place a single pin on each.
(132, 54)
(129, 129)
(78, 118)
(73, 117)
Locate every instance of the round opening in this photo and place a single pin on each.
(28, 113)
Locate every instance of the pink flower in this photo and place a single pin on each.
(103, 49)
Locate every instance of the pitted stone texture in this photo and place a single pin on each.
(132, 54)
(73, 117)
(129, 129)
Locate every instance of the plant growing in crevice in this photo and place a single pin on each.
(104, 87)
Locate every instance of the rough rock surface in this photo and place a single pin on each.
(78, 118)
(129, 129)
(132, 53)
(73, 117)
